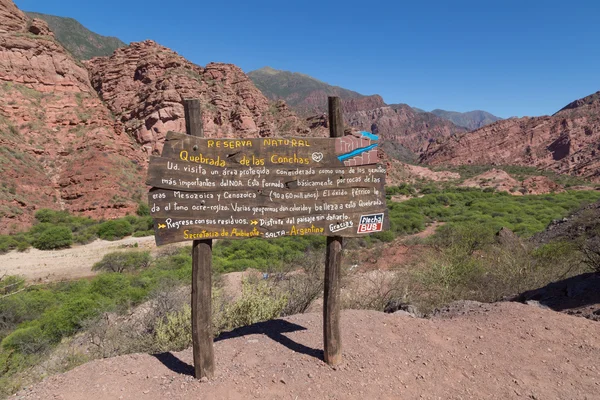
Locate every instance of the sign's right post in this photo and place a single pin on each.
(332, 340)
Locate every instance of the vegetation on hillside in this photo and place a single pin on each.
(59, 229)
(294, 87)
(525, 215)
(80, 41)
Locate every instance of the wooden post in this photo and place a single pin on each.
(204, 362)
(332, 338)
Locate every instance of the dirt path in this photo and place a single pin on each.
(76, 262)
(500, 351)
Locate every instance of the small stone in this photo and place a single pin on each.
(282, 381)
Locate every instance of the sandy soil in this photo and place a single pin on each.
(76, 262)
(500, 351)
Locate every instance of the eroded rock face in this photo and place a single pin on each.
(567, 142)
(60, 147)
(362, 103)
(11, 18)
(403, 125)
(145, 83)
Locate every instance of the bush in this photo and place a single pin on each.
(143, 210)
(114, 229)
(7, 243)
(52, 216)
(55, 237)
(174, 332)
(259, 302)
(491, 272)
(121, 261)
(27, 340)
(70, 316)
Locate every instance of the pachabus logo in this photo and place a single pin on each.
(370, 223)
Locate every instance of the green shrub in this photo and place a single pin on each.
(22, 246)
(174, 332)
(114, 229)
(259, 302)
(385, 236)
(71, 315)
(55, 237)
(121, 261)
(27, 340)
(52, 216)
(143, 210)
(7, 243)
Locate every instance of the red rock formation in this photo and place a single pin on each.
(403, 125)
(60, 147)
(11, 18)
(144, 85)
(567, 142)
(362, 104)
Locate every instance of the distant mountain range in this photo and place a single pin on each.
(567, 142)
(307, 95)
(80, 41)
(471, 119)
(303, 93)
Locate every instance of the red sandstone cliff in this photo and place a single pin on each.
(402, 125)
(144, 85)
(567, 142)
(60, 147)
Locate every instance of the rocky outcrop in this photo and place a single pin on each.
(144, 84)
(60, 147)
(79, 139)
(365, 103)
(501, 181)
(403, 125)
(11, 18)
(567, 142)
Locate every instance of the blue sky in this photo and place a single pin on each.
(511, 58)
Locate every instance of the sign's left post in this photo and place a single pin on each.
(202, 336)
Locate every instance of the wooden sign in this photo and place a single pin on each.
(351, 150)
(268, 187)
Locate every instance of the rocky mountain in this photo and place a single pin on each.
(567, 142)
(145, 83)
(404, 130)
(304, 94)
(59, 145)
(77, 136)
(470, 120)
(402, 125)
(80, 41)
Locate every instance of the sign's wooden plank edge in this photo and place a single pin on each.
(347, 228)
(351, 150)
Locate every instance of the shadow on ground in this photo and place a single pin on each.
(578, 295)
(274, 329)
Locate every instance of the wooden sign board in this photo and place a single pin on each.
(269, 187)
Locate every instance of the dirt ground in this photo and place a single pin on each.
(499, 351)
(76, 262)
